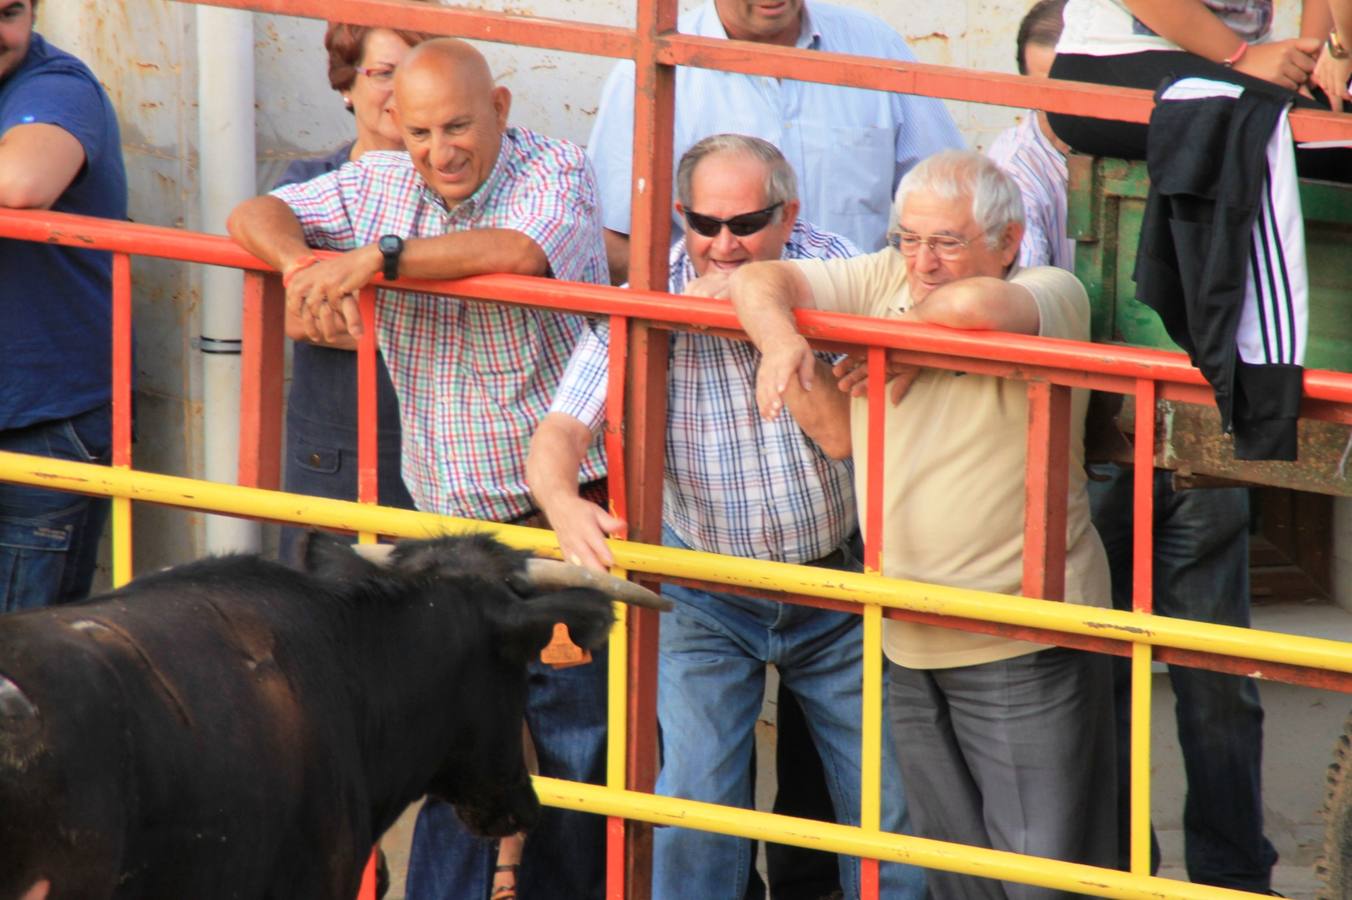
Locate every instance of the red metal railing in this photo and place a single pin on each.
(640, 320)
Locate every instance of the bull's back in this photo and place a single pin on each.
(187, 712)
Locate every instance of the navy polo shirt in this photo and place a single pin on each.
(55, 302)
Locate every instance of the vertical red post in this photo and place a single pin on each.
(1143, 500)
(367, 454)
(645, 428)
(873, 544)
(260, 381)
(646, 400)
(616, 470)
(1044, 541)
(121, 402)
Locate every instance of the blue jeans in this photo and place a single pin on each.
(713, 651)
(1201, 572)
(49, 540)
(564, 854)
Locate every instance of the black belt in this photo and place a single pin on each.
(833, 560)
(595, 491)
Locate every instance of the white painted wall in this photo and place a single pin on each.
(143, 51)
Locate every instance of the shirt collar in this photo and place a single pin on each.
(1039, 137)
(473, 204)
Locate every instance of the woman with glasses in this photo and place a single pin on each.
(321, 409)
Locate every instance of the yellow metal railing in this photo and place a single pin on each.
(872, 592)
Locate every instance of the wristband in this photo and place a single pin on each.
(303, 263)
(1335, 45)
(1235, 57)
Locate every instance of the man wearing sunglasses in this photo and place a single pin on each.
(1003, 743)
(737, 485)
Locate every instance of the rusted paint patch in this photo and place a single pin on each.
(1129, 629)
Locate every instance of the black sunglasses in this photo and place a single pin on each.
(746, 223)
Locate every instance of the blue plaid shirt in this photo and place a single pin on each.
(735, 484)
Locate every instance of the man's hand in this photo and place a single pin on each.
(778, 364)
(713, 285)
(1332, 76)
(853, 374)
(324, 295)
(1288, 63)
(582, 528)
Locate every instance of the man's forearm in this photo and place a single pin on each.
(764, 295)
(979, 303)
(267, 228)
(480, 251)
(1189, 24)
(557, 449)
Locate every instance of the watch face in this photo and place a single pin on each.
(390, 244)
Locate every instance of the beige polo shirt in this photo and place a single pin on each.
(956, 448)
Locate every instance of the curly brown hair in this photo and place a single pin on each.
(347, 45)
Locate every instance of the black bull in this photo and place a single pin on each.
(235, 729)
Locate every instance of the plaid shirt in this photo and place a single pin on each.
(735, 484)
(473, 378)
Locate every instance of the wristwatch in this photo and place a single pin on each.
(391, 245)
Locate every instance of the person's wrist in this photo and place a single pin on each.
(296, 265)
(1230, 61)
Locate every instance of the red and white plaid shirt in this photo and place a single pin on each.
(473, 378)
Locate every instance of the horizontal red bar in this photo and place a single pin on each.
(1048, 357)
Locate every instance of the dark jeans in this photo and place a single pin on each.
(1201, 572)
(1127, 140)
(49, 540)
(565, 853)
(321, 435)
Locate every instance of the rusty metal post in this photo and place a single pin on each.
(646, 399)
(1044, 541)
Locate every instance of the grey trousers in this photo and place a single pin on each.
(1013, 755)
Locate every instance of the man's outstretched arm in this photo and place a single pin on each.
(556, 453)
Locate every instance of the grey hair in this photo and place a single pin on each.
(955, 174)
(781, 184)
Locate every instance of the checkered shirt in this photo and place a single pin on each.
(735, 484)
(473, 378)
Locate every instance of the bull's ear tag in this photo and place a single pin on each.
(561, 652)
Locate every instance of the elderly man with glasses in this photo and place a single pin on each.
(1003, 743)
(738, 485)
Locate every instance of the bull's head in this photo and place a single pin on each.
(522, 598)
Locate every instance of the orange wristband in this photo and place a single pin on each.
(1235, 57)
(303, 263)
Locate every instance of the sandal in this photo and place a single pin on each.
(504, 891)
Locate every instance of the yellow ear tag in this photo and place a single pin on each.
(561, 652)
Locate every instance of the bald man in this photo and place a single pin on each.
(471, 196)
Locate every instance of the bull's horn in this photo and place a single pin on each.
(376, 553)
(555, 574)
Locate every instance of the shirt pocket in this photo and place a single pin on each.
(857, 163)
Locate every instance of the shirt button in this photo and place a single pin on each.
(315, 459)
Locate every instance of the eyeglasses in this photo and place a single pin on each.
(746, 223)
(944, 246)
(379, 76)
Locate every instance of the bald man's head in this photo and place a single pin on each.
(451, 115)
